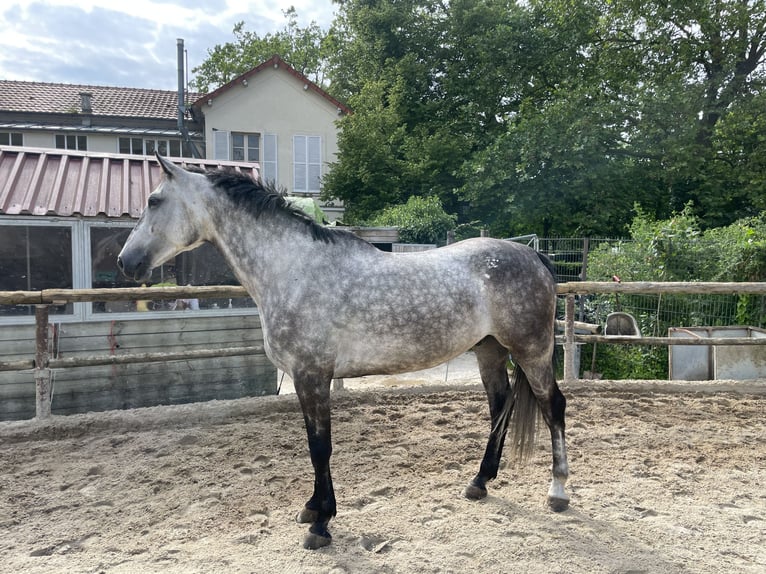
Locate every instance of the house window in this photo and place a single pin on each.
(147, 146)
(33, 258)
(11, 138)
(71, 142)
(203, 266)
(307, 163)
(134, 146)
(238, 146)
(245, 147)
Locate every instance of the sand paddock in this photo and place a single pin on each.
(664, 478)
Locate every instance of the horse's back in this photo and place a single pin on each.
(412, 311)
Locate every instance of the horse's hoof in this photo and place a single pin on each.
(473, 492)
(316, 541)
(558, 504)
(307, 516)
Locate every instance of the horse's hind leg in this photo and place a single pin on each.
(541, 380)
(492, 358)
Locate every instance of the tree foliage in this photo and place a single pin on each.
(545, 116)
(304, 48)
(553, 116)
(677, 249)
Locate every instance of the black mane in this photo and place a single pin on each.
(250, 195)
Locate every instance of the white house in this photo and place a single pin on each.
(271, 115)
(277, 117)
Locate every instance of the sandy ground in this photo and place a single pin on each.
(665, 478)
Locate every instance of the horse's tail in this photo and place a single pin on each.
(520, 415)
(522, 411)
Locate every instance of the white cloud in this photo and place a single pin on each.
(133, 43)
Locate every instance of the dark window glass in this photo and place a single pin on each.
(11, 138)
(33, 258)
(71, 142)
(203, 266)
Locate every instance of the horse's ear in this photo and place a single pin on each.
(170, 169)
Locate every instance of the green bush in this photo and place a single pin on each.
(675, 249)
(420, 220)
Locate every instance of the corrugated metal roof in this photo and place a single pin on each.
(42, 97)
(53, 182)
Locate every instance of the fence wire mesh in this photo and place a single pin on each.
(654, 314)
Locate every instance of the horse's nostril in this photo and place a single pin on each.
(119, 262)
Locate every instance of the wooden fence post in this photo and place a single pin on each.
(569, 340)
(42, 370)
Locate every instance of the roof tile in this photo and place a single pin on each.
(41, 97)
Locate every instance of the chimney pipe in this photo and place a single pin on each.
(181, 104)
(85, 102)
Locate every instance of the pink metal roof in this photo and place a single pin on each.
(53, 182)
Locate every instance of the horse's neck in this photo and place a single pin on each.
(259, 251)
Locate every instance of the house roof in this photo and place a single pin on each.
(53, 182)
(51, 98)
(277, 63)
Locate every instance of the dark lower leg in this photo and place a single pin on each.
(492, 359)
(321, 507)
(558, 499)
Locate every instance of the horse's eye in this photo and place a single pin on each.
(154, 201)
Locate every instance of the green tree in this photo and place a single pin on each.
(546, 116)
(304, 48)
(429, 69)
(641, 105)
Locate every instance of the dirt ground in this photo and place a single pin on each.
(665, 478)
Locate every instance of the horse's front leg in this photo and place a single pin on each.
(314, 395)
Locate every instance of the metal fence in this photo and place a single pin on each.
(655, 313)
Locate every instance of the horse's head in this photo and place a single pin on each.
(168, 225)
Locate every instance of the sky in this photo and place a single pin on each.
(130, 43)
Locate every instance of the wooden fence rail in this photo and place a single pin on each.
(42, 363)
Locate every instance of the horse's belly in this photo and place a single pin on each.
(392, 355)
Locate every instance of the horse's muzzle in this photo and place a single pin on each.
(136, 268)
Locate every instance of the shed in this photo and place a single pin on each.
(64, 215)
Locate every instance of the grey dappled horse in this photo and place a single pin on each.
(333, 306)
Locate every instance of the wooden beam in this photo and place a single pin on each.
(94, 360)
(42, 370)
(627, 340)
(665, 287)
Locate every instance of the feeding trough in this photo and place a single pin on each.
(700, 363)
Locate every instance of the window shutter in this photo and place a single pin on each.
(314, 163)
(307, 163)
(269, 163)
(300, 182)
(220, 144)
